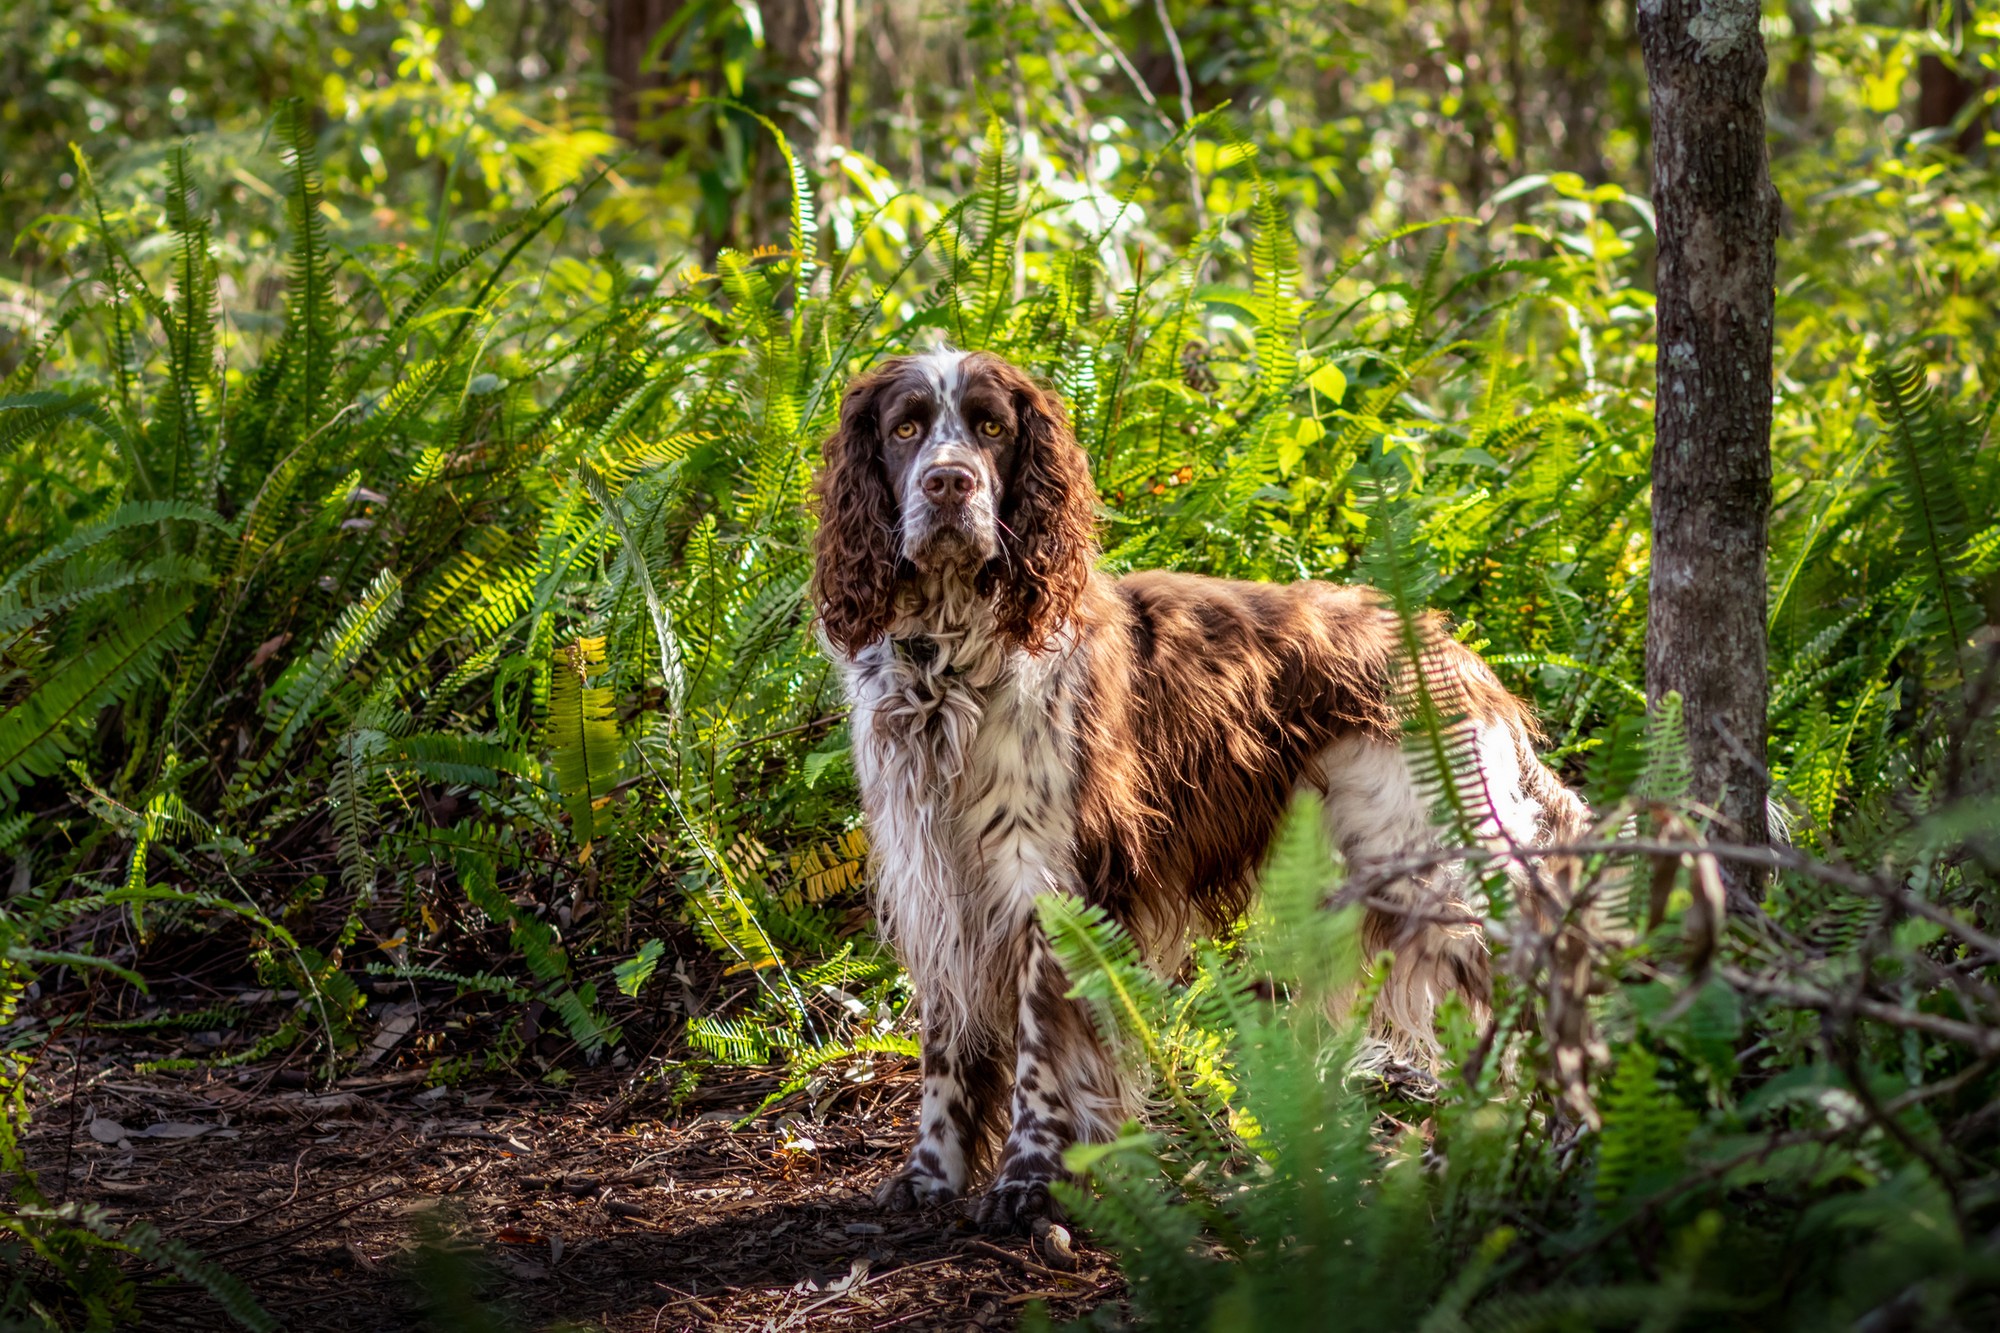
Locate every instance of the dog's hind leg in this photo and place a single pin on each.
(1430, 917)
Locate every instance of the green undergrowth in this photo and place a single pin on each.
(442, 622)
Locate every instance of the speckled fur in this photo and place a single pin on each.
(1025, 725)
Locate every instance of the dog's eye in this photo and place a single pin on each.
(906, 430)
(990, 429)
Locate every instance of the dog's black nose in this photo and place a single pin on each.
(948, 483)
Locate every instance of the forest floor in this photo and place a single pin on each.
(358, 1204)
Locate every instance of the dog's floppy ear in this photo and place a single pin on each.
(855, 551)
(1049, 519)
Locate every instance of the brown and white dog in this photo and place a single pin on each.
(1024, 724)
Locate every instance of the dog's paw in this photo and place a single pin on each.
(1380, 1069)
(913, 1188)
(1014, 1204)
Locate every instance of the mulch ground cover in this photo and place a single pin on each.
(368, 1202)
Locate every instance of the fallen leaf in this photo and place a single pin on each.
(107, 1131)
(517, 1236)
(267, 650)
(173, 1129)
(396, 1024)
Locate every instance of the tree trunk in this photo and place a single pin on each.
(1801, 95)
(813, 40)
(629, 26)
(1578, 64)
(1943, 91)
(1718, 225)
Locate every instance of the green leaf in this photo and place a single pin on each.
(632, 974)
(1329, 382)
(582, 735)
(300, 691)
(40, 731)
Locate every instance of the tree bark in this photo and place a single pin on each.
(1801, 97)
(1943, 90)
(1718, 225)
(1578, 62)
(629, 26)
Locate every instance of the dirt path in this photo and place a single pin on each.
(564, 1206)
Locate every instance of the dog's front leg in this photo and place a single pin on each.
(1067, 1089)
(963, 1083)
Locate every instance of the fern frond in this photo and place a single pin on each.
(309, 293)
(998, 190)
(525, 226)
(85, 581)
(459, 759)
(582, 735)
(296, 699)
(1274, 258)
(730, 1041)
(1668, 771)
(1929, 447)
(25, 416)
(37, 733)
(672, 673)
(483, 983)
(143, 513)
(191, 366)
(1645, 1129)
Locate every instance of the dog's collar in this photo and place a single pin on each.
(919, 650)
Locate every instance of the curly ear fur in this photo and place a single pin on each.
(1049, 532)
(854, 552)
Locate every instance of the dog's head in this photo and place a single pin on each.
(954, 464)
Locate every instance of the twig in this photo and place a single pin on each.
(1146, 94)
(298, 1163)
(1187, 107)
(1025, 1264)
(310, 1223)
(1370, 875)
(1984, 1040)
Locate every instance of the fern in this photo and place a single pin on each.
(459, 759)
(230, 1295)
(350, 793)
(1928, 448)
(122, 519)
(38, 732)
(731, 1041)
(1645, 1130)
(671, 669)
(295, 702)
(309, 272)
(582, 736)
(26, 416)
(482, 983)
(191, 341)
(1668, 772)
(999, 194)
(1438, 739)
(1275, 261)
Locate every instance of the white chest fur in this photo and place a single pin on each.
(968, 787)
